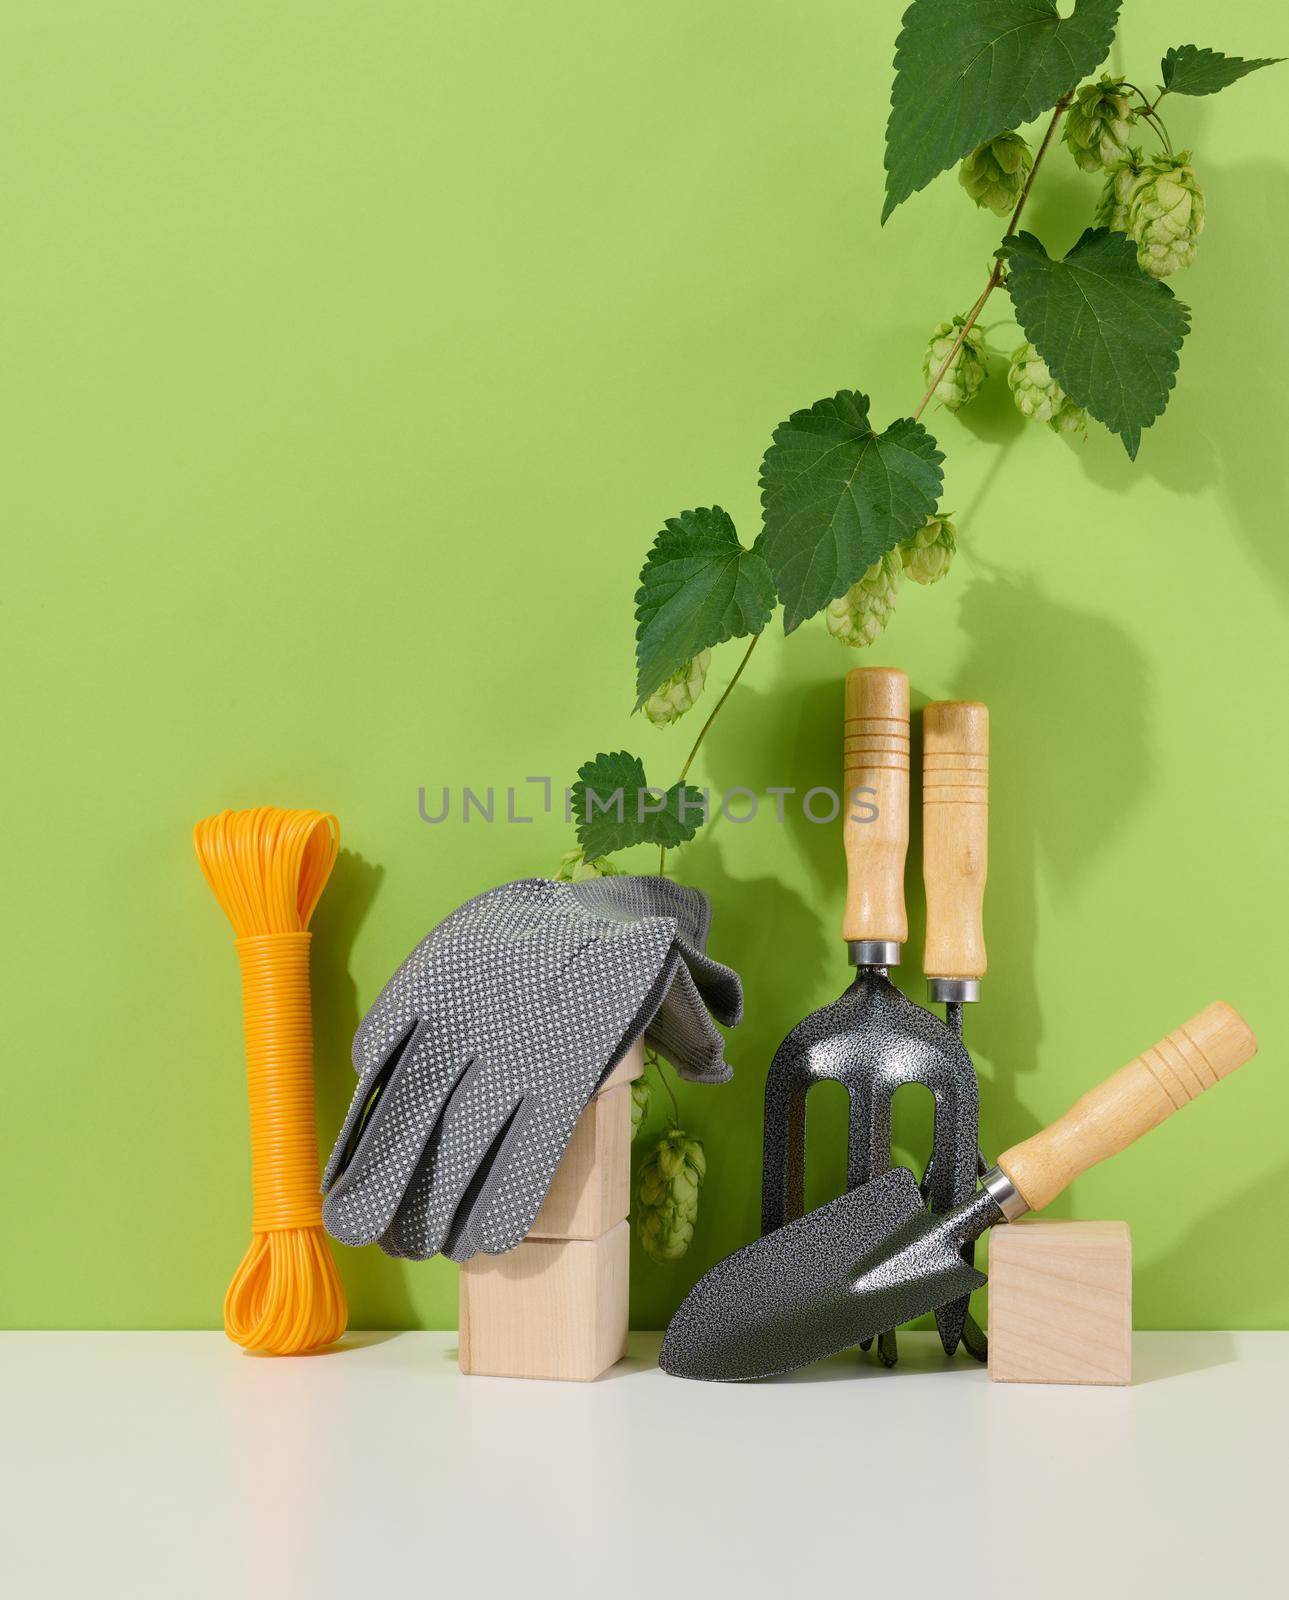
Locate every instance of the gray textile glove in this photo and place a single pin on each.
(485, 1046)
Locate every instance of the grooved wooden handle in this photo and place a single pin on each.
(876, 829)
(955, 836)
(1136, 1099)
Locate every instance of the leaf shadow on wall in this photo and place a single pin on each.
(1070, 762)
(1223, 423)
(375, 1284)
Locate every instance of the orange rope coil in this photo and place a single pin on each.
(268, 868)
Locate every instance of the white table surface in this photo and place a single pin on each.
(139, 1464)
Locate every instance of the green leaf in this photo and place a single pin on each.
(615, 807)
(836, 496)
(1108, 331)
(968, 70)
(1187, 69)
(698, 588)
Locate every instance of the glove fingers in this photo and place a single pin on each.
(392, 1115)
(457, 1156)
(682, 1030)
(719, 985)
(518, 1177)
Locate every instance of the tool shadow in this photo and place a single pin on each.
(1043, 821)
(920, 1357)
(1155, 1360)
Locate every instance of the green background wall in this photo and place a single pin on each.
(352, 357)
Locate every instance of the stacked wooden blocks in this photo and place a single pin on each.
(1060, 1302)
(556, 1306)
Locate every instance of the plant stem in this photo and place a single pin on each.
(702, 734)
(996, 276)
(671, 1093)
(1149, 113)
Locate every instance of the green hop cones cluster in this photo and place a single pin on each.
(671, 700)
(1038, 395)
(575, 868)
(1099, 124)
(1165, 214)
(858, 616)
(994, 174)
(928, 554)
(964, 374)
(1117, 191)
(640, 1097)
(667, 1195)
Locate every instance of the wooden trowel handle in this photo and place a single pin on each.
(876, 830)
(1132, 1102)
(955, 842)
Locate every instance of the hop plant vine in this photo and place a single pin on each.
(850, 506)
(670, 1174)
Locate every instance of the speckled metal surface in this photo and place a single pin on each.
(873, 1041)
(866, 1262)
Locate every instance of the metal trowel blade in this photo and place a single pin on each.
(863, 1263)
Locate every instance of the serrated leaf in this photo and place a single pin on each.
(836, 496)
(614, 807)
(968, 70)
(698, 588)
(1108, 331)
(1188, 69)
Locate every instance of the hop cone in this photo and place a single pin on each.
(672, 699)
(667, 1195)
(1117, 191)
(964, 374)
(929, 552)
(1099, 124)
(1038, 395)
(995, 174)
(639, 1104)
(1166, 214)
(858, 617)
(575, 868)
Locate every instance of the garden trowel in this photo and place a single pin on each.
(875, 1257)
(873, 1040)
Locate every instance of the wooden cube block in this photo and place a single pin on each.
(556, 1307)
(1060, 1302)
(551, 1308)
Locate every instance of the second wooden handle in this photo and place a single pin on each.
(955, 836)
(876, 800)
(1136, 1099)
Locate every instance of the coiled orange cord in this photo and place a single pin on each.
(267, 869)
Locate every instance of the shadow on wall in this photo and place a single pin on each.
(372, 1280)
(756, 921)
(1256, 1299)
(1222, 427)
(1046, 813)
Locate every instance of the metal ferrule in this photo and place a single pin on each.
(953, 991)
(875, 952)
(1004, 1193)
